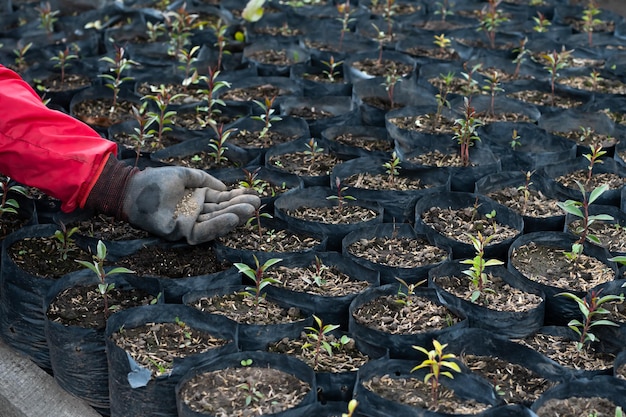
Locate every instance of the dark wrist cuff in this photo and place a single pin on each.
(107, 194)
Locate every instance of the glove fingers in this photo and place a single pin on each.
(196, 178)
(213, 196)
(206, 230)
(243, 211)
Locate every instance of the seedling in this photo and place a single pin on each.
(253, 182)
(388, 13)
(478, 277)
(525, 190)
(442, 42)
(64, 241)
(591, 309)
(443, 9)
(119, 65)
(318, 337)
(402, 297)
(210, 94)
(352, 405)
(332, 66)
(161, 97)
(97, 266)
(313, 150)
(589, 20)
(442, 96)
(391, 79)
(595, 78)
(47, 17)
(256, 218)
(465, 131)
(218, 144)
(392, 168)
(493, 88)
(471, 86)
(556, 61)
(318, 278)
(180, 25)
(541, 23)
(187, 58)
(268, 115)
(62, 61)
(20, 55)
(580, 209)
(10, 205)
(593, 158)
(140, 134)
(155, 30)
(491, 18)
(492, 216)
(520, 56)
(515, 140)
(220, 30)
(257, 274)
(345, 11)
(380, 38)
(439, 364)
(252, 394)
(340, 196)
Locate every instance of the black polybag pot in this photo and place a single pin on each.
(77, 354)
(482, 161)
(134, 392)
(247, 255)
(296, 146)
(22, 316)
(253, 336)
(329, 308)
(464, 384)
(483, 342)
(397, 204)
(610, 197)
(237, 157)
(399, 345)
(283, 363)
(537, 147)
(389, 273)
(342, 110)
(317, 197)
(571, 120)
(618, 222)
(353, 74)
(507, 323)
(502, 180)
(374, 101)
(376, 142)
(232, 177)
(603, 386)
(559, 310)
(315, 88)
(457, 201)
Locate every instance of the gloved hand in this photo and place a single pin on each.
(171, 202)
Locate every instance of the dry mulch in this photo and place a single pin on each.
(398, 251)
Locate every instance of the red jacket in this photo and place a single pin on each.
(45, 148)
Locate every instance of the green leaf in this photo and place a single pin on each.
(597, 192)
(253, 12)
(120, 270)
(603, 323)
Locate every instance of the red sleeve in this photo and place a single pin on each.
(45, 148)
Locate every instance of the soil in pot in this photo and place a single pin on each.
(516, 384)
(311, 163)
(243, 392)
(550, 266)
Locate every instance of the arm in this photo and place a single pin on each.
(66, 159)
(45, 148)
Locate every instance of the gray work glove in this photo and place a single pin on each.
(171, 202)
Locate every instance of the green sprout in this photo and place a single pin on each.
(318, 336)
(340, 196)
(119, 65)
(268, 115)
(476, 272)
(97, 266)
(465, 131)
(439, 364)
(591, 308)
(392, 168)
(257, 274)
(64, 240)
(10, 205)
